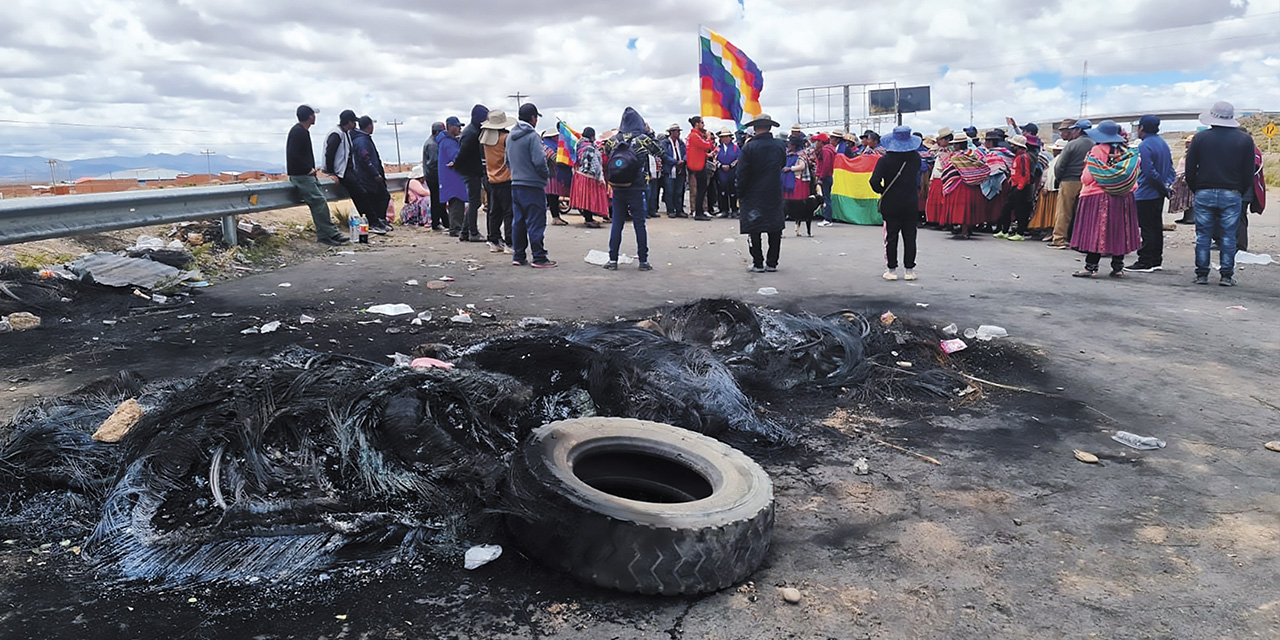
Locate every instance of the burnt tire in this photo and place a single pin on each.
(640, 506)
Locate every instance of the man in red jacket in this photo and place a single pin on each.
(700, 146)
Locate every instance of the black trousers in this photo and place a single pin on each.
(1151, 224)
(439, 217)
(900, 224)
(758, 258)
(499, 213)
(468, 227)
(700, 192)
(728, 195)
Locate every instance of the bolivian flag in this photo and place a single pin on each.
(852, 198)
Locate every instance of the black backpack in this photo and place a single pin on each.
(625, 166)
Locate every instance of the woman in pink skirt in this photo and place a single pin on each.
(589, 193)
(1106, 216)
(963, 206)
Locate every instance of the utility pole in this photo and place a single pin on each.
(518, 96)
(395, 125)
(208, 162)
(52, 180)
(971, 103)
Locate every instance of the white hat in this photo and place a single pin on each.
(1221, 115)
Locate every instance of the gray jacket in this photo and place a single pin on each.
(527, 158)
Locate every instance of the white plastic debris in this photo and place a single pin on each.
(951, 330)
(390, 309)
(269, 327)
(480, 555)
(1244, 257)
(462, 318)
(425, 316)
(306, 319)
(285, 285)
(861, 467)
(412, 283)
(534, 321)
(400, 360)
(600, 258)
(767, 291)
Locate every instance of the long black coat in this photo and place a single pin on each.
(903, 197)
(760, 185)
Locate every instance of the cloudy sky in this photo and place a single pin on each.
(87, 78)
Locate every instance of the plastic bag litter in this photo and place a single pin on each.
(767, 291)
(1244, 257)
(600, 258)
(953, 345)
(269, 327)
(534, 321)
(390, 309)
(480, 555)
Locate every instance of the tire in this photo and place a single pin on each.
(640, 506)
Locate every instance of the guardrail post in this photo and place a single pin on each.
(229, 230)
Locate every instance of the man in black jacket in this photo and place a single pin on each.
(470, 165)
(300, 162)
(1219, 173)
(760, 193)
(367, 172)
(431, 172)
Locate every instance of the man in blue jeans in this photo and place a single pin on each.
(630, 192)
(529, 175)
(1219, 173)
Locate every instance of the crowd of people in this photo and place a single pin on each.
(1093, 189)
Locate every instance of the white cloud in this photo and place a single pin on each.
(230, 73)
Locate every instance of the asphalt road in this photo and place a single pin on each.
(1010, 537)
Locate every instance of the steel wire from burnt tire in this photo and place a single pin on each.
(640, 506)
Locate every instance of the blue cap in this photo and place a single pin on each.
(1082, 125)
(453, 121)
(1150, 123)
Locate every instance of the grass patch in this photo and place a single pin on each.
(32, 260)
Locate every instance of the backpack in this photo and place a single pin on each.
(625, 167)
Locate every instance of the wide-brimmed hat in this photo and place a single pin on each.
(960, 138)
(498, 120)
(675, 126)
(1223, 114)
(725, 132)
(1059, 144)
(762, 119)
(1106, 132)
(945, 131)
(416, 171)
(1066, 124)
(850, 136)
(1018, 140)
(901, 139)
(995, 134)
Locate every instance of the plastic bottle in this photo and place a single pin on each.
(353, 224)
(364, 230)
(986, 333)
(1138, 442)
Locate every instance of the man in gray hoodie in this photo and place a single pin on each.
(529, 176)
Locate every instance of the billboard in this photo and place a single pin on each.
(909, 100)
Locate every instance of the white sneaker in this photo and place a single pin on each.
(890, 275)
(824, 223)
(909, 275)
(494, 248)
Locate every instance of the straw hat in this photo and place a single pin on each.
(725, 132)
(498, 120)
(675, 126)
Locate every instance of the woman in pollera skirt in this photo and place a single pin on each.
(962, 203)
(933, 198)
(1106, 215)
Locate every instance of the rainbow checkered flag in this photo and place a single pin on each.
(730, 81)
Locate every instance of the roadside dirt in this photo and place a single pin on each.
(1009, 537)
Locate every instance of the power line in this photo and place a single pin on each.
(395, 125)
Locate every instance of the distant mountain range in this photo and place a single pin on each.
(36, 169)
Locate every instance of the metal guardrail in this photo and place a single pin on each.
(41, 218)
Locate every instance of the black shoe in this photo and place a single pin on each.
(701, 218)
(680, 215)
(1202, 279)
(1227, 281)
(1142, 267)
(519, 263)
(755, 269)
(336, 241)
(645, 266)
(611, 265)
(771, 269)
(377, 229)
(1185, 220)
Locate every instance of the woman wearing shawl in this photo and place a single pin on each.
(561, 182)
(963, 173)
(417, 200)
(795, 189)
(933, 197)
(1106, 215)
(589, 193)
(1047, 204)
(1180, 195)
